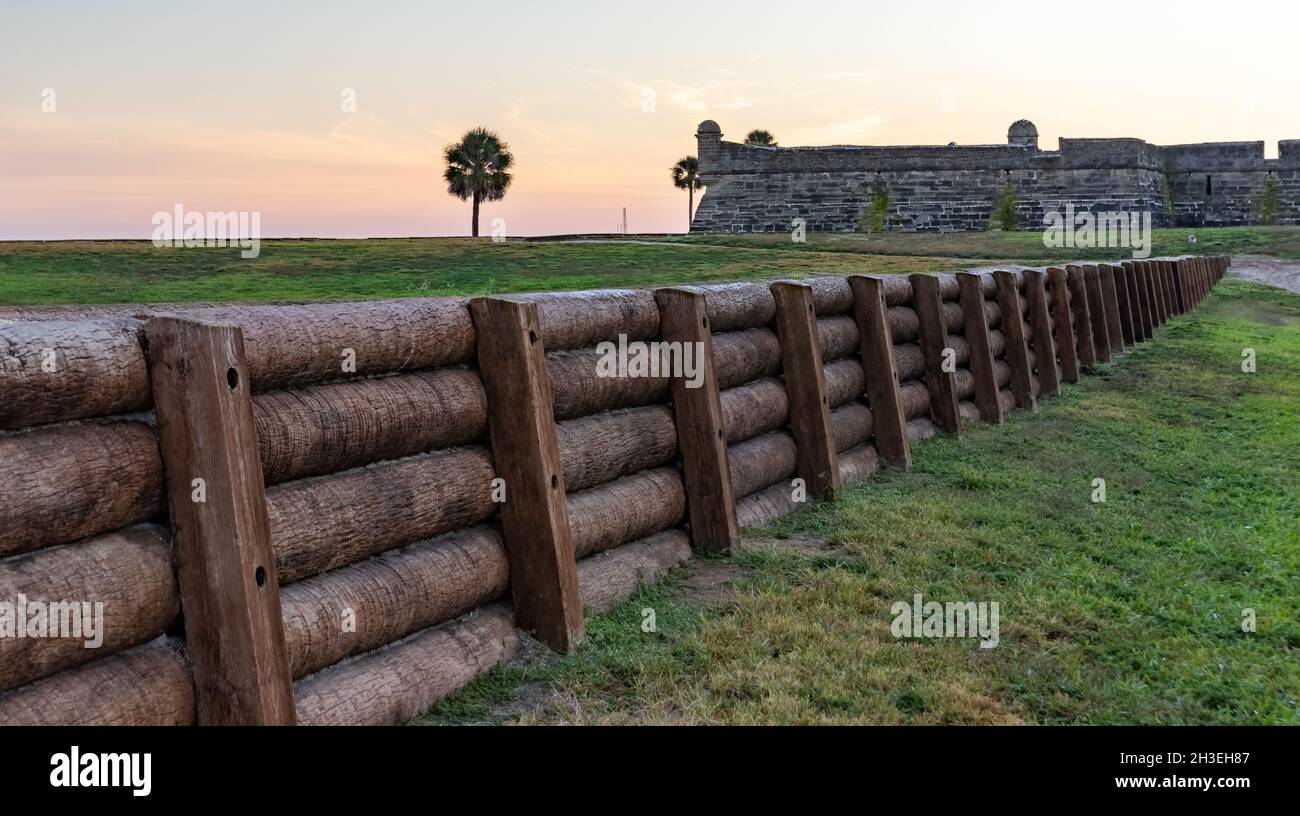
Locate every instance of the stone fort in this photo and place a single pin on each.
(958, 187)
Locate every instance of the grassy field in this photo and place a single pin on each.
(1128, 611)
(137, 272)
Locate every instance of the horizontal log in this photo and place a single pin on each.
(389, 686)
(129, 572)
(305, 344)
(761, 461)
(603, 447)
(953, 317)
(910, 361)
(70, 482)
(578, 390)
(327, 522)
(1001, 373)
(920, 428)
(831, 295)
(852, 424)
(838, 337)
(997, 343)
(915, 398)
(366, 605)
(58, 370)
(744, 356)
(1007, 399)
(964, 381)
(992, 312)
(961, 349)
(969, 410)
(744, 305)
(328, 428)
(948, 288)
(144, 685)
(755, 408)
(845, 381)
(572, 320)
(858, 464)
(626, 509)
(904, 325)
(767, 505)
(611, 577)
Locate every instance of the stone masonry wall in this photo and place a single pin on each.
(949, 189)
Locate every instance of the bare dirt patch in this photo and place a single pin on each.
(1277, 272)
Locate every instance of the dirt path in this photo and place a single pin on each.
(1264, 269)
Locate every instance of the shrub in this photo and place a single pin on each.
(1004, 212)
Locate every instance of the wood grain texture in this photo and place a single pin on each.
(845, 382)
(880, 370)
(225, 566)
(327, 522)
(69, 482)
(128, 571)
(610, 577)
(1062, 324)
(837, 336)
(149, 684)
(701, 437)
(1124, 308)
(535, 520)
(1097, 313)
(1177, 272)
(926, 293)
(1137, 299)
(852, 425)
(797, 328)
(971, 293)
(329, 428)
(603, 447)
(626, 509)
(390, 686)
(572, 320)
(762, 405)
(1080, 315)
(1017, 346)
(361, 607)
(762, 461)
(57, 370)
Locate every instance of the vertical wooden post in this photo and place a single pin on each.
(1062, 320)
(880, 370)
(1137, 282)
(1162, 299)
(1049, 373)
(805, 387)
(1013, 328)
(225, 567)
(700, 436)
(1082, 320)
(971, 298)
(1171, 296)
(1110, 303)
(1153, 300)
(1117, 291)
(534, 516)
(941, 383)
(1097, 313)
(1180, 287)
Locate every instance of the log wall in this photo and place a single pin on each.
(383, 498)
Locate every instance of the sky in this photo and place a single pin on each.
(111, 112)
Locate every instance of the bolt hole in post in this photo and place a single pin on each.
(259, 575)
(232, 377)
(555, 482)
(532, 337)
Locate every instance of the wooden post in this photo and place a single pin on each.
(1110, 302)
(1171, 295)
(1137, 283)
(1062, 320)
(1153, 301)
(1123, 310)
(971, 297)
(1080, 317)
(700, 436)
(225, 567)
(1013, 328)
(1049, 373)
(1162, 299)
(1180, 286)
(1097, 313)
(939, 376)
(805, 388)
(881, 371)
(534, 515)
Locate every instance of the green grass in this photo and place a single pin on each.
(34, 273)
(138, 272)
(1124, 612)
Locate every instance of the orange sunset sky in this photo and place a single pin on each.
(238, 106)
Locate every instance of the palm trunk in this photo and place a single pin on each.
(474, 229)
(690, 207)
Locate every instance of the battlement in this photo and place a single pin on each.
(955, 187)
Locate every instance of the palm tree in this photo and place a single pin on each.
(762, 138)
(477, 168)
(686, 176)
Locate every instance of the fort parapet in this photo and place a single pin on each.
(950, 188)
